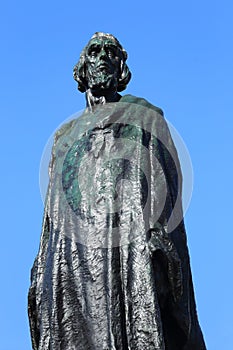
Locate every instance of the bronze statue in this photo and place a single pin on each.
(113, 268)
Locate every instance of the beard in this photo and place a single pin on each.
(101, 81)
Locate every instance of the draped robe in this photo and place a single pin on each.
(113, 271)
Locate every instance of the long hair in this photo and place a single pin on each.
(79, 71)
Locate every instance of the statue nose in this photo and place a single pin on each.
(102, 53)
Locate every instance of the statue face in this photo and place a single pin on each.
(103, 58)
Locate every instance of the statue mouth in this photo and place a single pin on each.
(103, 67)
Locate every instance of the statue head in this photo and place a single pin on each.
(102, 65)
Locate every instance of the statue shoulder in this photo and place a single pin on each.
(63, 129)
(141, 101)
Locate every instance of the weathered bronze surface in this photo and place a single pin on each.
(113, 268)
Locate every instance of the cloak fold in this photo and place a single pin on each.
(113, 271)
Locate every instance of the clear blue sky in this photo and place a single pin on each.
(181, 57)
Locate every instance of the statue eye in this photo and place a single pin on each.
(110, 52)
(93, 53)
